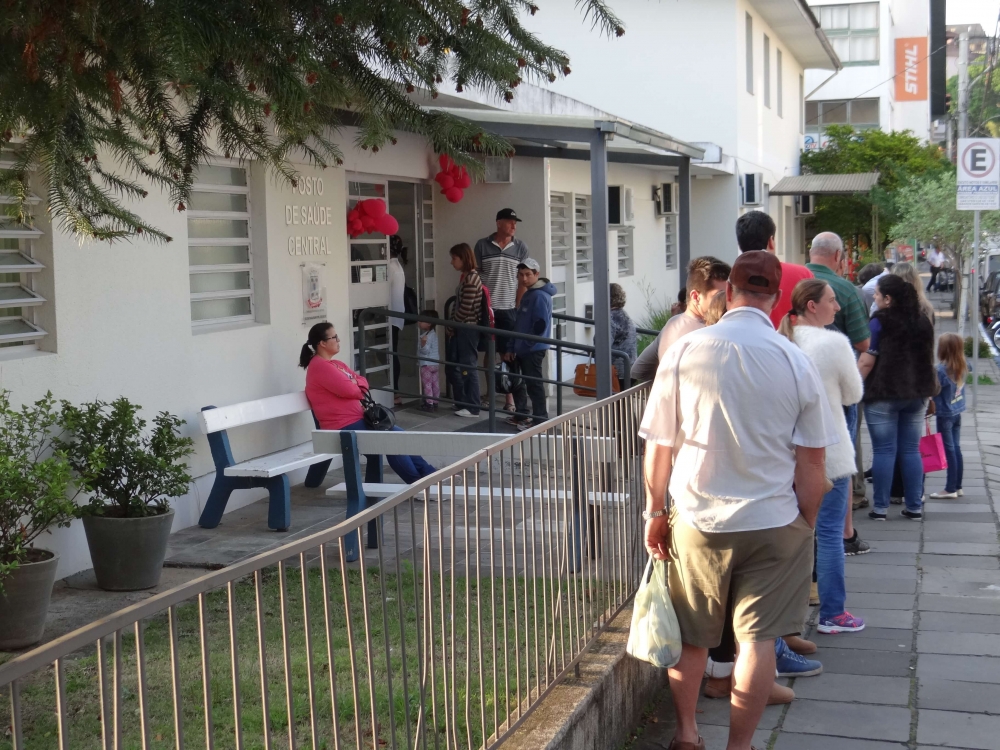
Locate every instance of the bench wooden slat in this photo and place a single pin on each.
(282, 462)
(248, 412)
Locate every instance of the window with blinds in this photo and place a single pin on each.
(19, 302)
(583, 216)
(561, 227)
(670, 241)
(853, 31)
(626, 251)
(219, 246)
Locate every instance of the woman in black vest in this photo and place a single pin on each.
(898, 370)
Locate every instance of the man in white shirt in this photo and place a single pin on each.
(935, 259)
(737, 414)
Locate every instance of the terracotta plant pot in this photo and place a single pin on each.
(128, 553)
(24, 601)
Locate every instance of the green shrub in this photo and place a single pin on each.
(136, 469)
(984, 348)
(655, 318)
(34, 479)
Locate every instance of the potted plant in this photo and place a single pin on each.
(34, 478)
(128, 518)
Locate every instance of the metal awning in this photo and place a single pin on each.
(826, 184)
(570, 129)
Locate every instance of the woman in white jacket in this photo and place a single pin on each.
(814, 306)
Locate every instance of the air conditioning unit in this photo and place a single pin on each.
(752, 189)
(666, 199)
(497, 169)
(805, 205)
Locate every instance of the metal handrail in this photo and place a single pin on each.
(590, 560)
(490, 370)
(590, 322)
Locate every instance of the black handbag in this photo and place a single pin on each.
(506, 379)
(377, 417)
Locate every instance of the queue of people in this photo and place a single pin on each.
(751, 447)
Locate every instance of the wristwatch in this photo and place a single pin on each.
(647, 514)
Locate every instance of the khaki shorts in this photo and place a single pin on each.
(768, 572)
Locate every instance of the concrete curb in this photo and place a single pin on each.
(598, 709)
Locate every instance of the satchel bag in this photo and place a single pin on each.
(655, 636)
(377, 417)
(585, 380)
(932, 450)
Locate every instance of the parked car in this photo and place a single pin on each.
(989, 304)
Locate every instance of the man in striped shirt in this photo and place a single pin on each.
(497, 258)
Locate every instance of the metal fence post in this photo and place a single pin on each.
(559, 387)
(491, 382)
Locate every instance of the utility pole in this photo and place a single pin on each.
(963, 132)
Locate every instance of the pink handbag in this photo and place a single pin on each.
(932, 450)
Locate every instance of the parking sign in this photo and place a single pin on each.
(978, 174)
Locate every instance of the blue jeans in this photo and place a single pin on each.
(830, 549)
(466, 382)
(894, 427)
(951, 429)
(409, 468)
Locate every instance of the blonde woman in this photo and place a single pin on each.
(814, 306)
(908, 273)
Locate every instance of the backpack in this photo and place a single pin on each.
(409, 302)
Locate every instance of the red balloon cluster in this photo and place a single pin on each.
(369, 216)
(452, 178)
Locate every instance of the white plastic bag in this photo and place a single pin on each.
(655, 636)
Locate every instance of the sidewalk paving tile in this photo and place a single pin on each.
(955, 695)
(716, 712)
(970, 644)
(954, 729)
(962, 548)
(899, 572)
(953, 531)
(960, 668)
(959, 561)
(870, 633)
(791, 741)
(959, 604)
(882, 601)
(851, 660)
(881, 558)
(950, 622)
(869, 585)
(889, 546)
(848, 720)
(846, 688)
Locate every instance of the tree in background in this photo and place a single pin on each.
(109, 95)
(927, 212)
(897, 157)
(984, 97)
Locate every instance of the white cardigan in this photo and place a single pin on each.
(833, 356)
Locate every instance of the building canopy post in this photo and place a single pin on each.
(602, 288)
(684, 223)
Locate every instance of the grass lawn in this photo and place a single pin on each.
(484, 690)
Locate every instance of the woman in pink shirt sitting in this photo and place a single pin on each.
(334, 391)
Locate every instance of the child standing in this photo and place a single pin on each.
(427, 350)
(949, 405)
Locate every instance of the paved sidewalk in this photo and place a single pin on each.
(925, 673)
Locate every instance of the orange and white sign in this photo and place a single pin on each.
(911, 69)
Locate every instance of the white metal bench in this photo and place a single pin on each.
(270, 470)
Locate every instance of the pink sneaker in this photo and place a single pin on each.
(842, 623)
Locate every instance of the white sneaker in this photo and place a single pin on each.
(961, 494)
(466, 413)
(943, 495)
